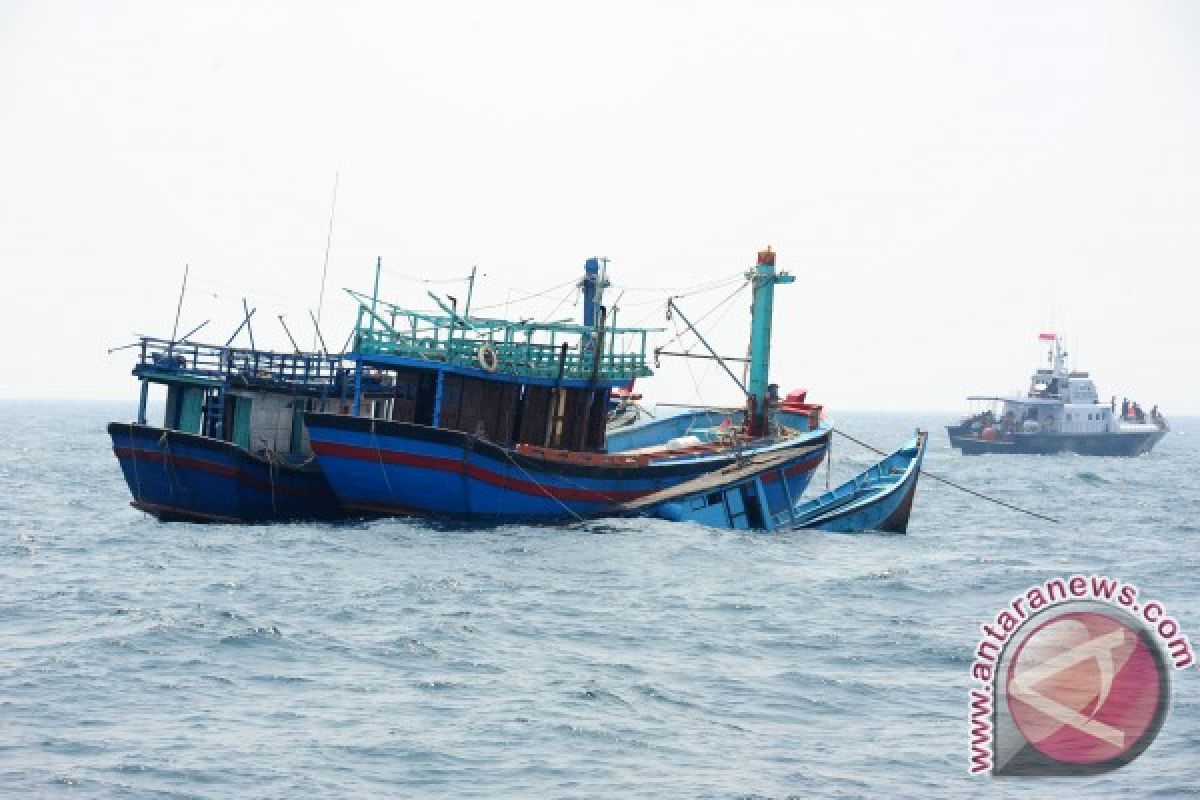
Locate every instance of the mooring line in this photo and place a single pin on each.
(949, 482)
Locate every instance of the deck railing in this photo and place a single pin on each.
(215, 362)
(520, 348)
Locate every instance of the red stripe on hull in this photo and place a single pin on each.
(200, 465)
(459, 467)
(794, 469)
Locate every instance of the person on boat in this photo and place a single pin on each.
(1112, 405)
(1125, 408)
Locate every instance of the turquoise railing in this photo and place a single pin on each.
(524, 349)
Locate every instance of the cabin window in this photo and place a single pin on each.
(404, 396)
(1068, 417)
(713, 498)
(426, 395)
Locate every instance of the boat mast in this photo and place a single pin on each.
(593, 284)
(763, 279)
(1060, 363)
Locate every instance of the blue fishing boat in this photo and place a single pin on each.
(502, 419)
(877, 499)
(232, 445)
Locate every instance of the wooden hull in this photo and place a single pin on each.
(182, 476)
(878, 499)
(387, 467)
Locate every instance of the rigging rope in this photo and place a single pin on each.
(538, 484)
(708, 313)
(566, 297)
(532, 296)
(716, 282)
(951, 483)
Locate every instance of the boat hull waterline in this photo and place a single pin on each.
(1124, 444)
(179, 476)
(382, 467)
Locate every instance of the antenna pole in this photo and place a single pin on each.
(179, 307)
(295, 346)
(325, 268)
(375, 293)
(193, 330)
(249, 328)
(470, 291)
(242, 324)
(317, 328)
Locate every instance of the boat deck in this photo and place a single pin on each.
(735, 473)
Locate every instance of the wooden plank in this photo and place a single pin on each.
(714, 481)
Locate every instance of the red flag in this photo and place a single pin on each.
(1046, 337)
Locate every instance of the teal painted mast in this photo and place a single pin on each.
(763, 279)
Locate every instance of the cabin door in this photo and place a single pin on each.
(299, 406)
(240, 429)
(191, 405)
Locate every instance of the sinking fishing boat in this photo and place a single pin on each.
(877, 499)
(508, 420)
(232, 445)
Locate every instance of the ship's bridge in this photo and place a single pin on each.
(1080, 389)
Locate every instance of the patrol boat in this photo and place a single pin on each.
(1060, 413)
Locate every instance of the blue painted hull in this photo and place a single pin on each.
(182, 476)
(878, 499)
(762, 502)
(377, 466)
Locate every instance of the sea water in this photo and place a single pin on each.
(627, 658)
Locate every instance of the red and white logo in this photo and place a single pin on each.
(1085, 688)
(1073, 677)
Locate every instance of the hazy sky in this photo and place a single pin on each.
(945, 179)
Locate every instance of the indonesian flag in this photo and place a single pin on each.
(1046, 337)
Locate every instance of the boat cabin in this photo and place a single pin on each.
(543, 384)
(252, 398)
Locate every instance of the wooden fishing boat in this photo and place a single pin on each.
(505, 419)
(735, 497)
(232, 446)
(877, 499)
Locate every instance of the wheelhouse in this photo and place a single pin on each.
(544, 384)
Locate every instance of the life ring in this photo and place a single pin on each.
(487, 359)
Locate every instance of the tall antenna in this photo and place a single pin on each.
(325, 268)
(179, 308)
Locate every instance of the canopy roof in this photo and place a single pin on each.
(1027, 401)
